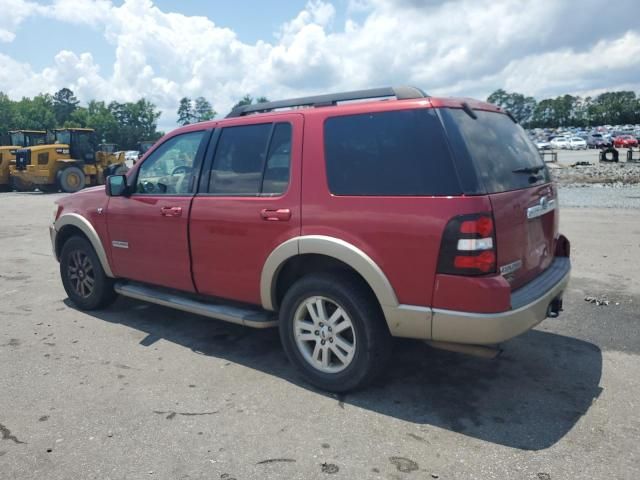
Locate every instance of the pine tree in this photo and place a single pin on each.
(186, 115)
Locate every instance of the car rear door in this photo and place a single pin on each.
(510, 170)
(148, 230)
(249, 203)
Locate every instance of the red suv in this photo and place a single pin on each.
(344, 220)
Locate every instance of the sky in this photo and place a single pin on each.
(168, 49)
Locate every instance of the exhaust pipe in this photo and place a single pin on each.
(481, 351)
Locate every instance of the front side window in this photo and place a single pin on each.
(252, 160)
(170, 168)
(63, 137)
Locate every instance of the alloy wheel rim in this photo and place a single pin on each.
(81, 274)
(324, 334)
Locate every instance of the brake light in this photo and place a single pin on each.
(468, 246)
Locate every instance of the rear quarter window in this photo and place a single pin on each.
(389, 153)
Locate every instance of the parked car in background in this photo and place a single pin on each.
(219, 219)
(625, 141)
(560, 142)
(598, 140)
(577, 143)
(542, 145)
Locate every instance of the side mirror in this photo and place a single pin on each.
(117, 186)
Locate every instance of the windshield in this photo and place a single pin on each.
(501, 153)
(63, 137)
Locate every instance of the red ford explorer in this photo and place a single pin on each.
(343, 220)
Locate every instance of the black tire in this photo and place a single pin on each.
(75, 250)
(604, 155)
(372, 340)
(71, 179)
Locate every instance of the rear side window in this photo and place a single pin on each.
(252, 160)
(495, 147)
(389, 153)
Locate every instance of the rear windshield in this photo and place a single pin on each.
(495, 147)
(389, 153)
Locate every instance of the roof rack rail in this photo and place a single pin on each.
(401, 93)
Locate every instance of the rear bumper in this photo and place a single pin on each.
(530, 305)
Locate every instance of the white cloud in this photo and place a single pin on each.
(455, 47)
(12, 14)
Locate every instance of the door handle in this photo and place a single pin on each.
(277, 215)
(171, 211)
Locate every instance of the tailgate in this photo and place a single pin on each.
(526, 225)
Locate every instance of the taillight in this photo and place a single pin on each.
(468, 246)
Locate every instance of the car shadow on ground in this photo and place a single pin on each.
(528, 398)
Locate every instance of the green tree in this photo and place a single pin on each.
(35, 113)
(7, 117)
(203, 110)
(64, 104)
(136, 121)
(186, 114)
(617, 107)
(249, 100)
(246, 100)
(520, 106)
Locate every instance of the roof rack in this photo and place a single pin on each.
(401, 93)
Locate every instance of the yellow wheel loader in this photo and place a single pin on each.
(18, 139)
(71, 163)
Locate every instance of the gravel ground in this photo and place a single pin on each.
(613, 174)
(140, 391)
(600, 196)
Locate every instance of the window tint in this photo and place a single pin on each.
(252, 159)
(389, 153)
(276, 173)
(169, 169)
(495, 146)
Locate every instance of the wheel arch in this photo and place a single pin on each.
(71, 224)
(341, 253)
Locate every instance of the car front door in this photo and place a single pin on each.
(248, 205)
(148, 229)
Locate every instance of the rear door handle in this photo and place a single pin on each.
(171, 211)
(275, 215)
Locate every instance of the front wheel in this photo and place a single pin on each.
(71, 179)
(83, 278)
(333, 331)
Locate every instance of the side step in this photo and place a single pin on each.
(255, 318)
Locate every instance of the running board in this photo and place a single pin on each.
(255, 318)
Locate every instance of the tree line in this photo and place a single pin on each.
(200, 110)
(608, 108)
(124, 124)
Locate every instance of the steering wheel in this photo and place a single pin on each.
(149, 187)
(181, 169)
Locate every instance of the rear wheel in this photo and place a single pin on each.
(83, 278)
(71, 179)
(333, 331)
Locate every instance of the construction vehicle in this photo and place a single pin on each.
(72, 162)
(18, 139)
(144, 146)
